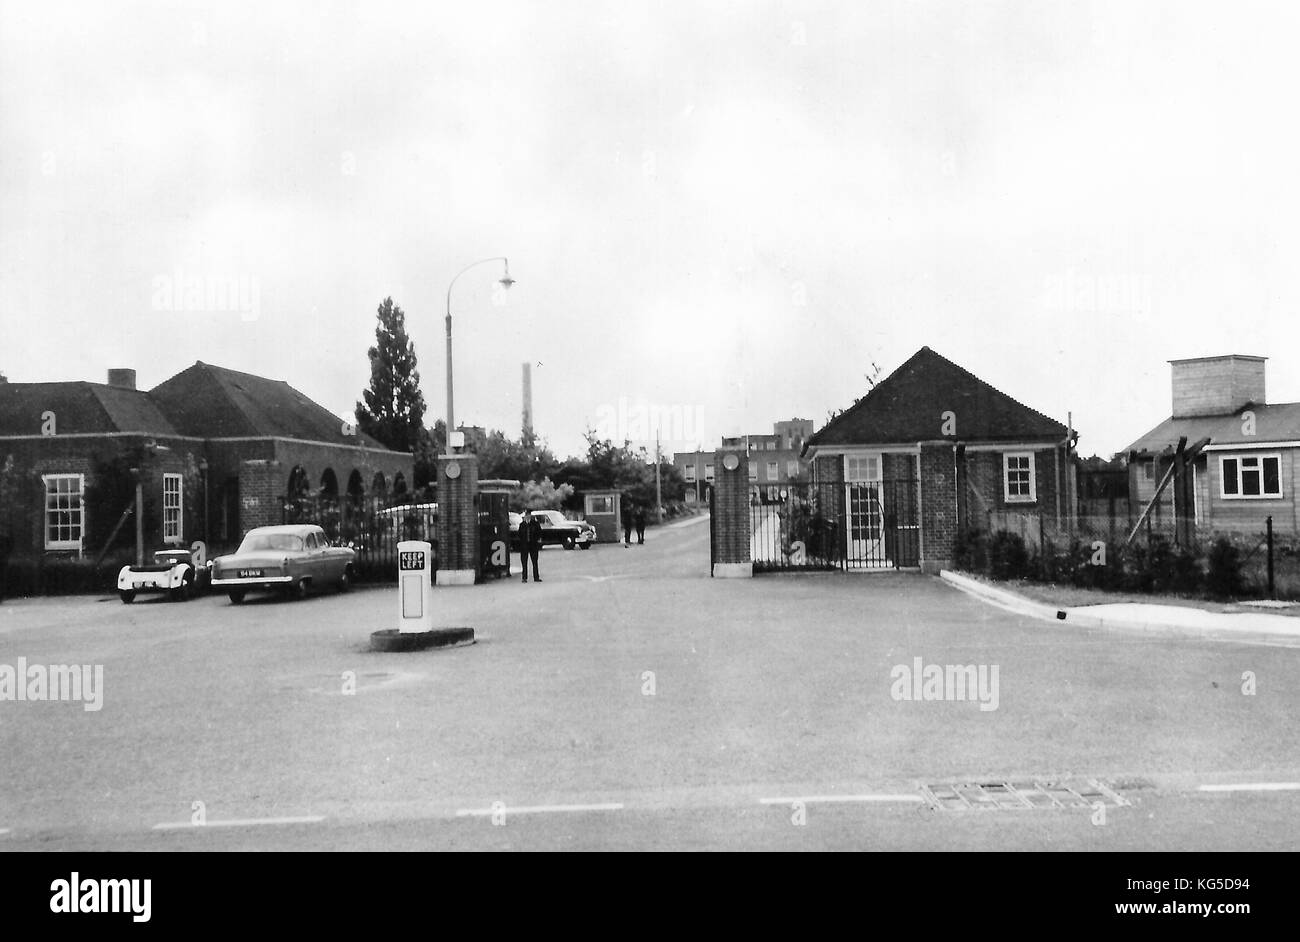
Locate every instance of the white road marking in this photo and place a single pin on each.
(534, 809)
(1252, 787)
(236, 823)
(820, 799)
(3, 831)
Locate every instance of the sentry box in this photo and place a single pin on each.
(414, 586)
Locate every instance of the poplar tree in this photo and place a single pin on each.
(392, 410)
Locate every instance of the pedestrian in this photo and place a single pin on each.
(627, 524)
(639, 520)
(530, 543)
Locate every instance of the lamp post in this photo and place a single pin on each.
(505, 282)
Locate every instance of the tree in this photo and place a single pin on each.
(392, 409)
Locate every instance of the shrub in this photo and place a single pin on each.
(1008, 556)
(1224, 569)
(970, 551)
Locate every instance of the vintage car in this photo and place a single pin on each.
(557, 530)
(296, 558)
(173, 571)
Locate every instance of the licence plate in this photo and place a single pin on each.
(250, 573)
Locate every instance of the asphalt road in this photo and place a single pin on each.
(629, 701)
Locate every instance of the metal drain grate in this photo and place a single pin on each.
(1022, 795)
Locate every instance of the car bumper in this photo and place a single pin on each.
(147, 582)
(252, 580)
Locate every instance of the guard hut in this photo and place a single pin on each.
(494, 526)
(604, 510)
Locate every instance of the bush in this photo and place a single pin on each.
(1008, 556)
(970, 551)
(1224, 569)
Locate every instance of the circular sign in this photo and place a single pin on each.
(453, 469)
(731, 462)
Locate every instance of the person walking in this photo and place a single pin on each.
(530, 543)
(639, 519)
(627, 524)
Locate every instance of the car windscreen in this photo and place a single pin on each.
(275, 542)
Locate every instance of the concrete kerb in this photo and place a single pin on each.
(1197, 623)
(1001, 597)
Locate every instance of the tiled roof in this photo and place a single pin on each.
(1273, 423)
(79, 407)
(215, 402)
(907, 406)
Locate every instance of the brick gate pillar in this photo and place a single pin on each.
(731, 515)
(458, 557)
(938, 505)
(261, 494)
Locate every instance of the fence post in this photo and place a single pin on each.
(1272, 593)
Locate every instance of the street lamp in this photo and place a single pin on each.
(505, 282)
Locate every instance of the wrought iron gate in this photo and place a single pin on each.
(798, 525)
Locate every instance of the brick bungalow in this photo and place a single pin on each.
(216, 451)
(1250, 468)
(931, 450)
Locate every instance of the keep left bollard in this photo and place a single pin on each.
(415, 606)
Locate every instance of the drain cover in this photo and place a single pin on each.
(1021, 795)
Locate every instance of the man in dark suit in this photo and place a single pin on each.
(638, 518)
(627, 524)
(530, 543)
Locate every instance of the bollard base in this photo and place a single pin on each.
(390, 639)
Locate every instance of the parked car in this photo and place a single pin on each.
(172, 571)
(296, 558)
(557, 530)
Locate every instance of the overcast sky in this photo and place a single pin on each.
(724, 211)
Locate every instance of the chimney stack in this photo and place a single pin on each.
(528, 399)
(1216, 385)
(122, 378)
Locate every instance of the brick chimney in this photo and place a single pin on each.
(1216, 385)
(122, 378)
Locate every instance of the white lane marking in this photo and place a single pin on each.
(236, 823)
(534, 809)
(1252, 787)
(811, 799)
(3, 831)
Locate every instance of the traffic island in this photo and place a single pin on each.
(390, 639)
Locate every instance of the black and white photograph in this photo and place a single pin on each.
(651, 426)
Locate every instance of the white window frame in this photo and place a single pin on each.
(708, 474)
(79, 542)
(792, 468)
(853, 470)
(753, 471)
(1007, 496)
(689, 473)
(179, 535)
(773, 470)
(1239, 457)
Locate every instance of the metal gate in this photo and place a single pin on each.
(798, 525)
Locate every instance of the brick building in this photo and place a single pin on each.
(932, 450)
(773, 460)
(216, 452)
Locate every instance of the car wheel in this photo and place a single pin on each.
(236, 596)
(569, 543)
(345, 580)
(299, 590)
(184, 592)
(586, 545)
(127, 596)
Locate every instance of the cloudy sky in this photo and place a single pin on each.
(724, 212)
